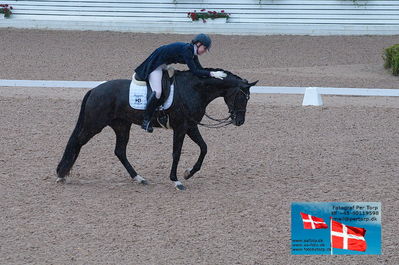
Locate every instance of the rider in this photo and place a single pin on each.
(178, 52)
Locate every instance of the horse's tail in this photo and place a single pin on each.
(73, 147)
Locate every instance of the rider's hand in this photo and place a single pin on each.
(219, 74)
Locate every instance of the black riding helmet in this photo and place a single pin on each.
(204, 39)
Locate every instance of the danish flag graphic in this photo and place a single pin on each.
(312, 222)
(347, 237)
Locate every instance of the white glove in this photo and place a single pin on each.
(219, 74)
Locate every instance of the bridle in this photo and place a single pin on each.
(232, 113)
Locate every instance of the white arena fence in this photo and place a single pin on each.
(260, 17)
(312, 95)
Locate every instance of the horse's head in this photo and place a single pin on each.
(236, 97)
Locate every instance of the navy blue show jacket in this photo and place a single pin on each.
(177, 52)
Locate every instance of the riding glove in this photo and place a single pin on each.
(219, 74)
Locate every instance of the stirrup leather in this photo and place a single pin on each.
(147, 126)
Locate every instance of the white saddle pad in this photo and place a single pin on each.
(138, 97)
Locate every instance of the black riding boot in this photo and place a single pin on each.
(152, 104)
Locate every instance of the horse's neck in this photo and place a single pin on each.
(200, 94)
(210, 94)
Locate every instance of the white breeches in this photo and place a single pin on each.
(155, 80)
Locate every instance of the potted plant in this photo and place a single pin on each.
(6, 10)
(204, 15)
(391, 58)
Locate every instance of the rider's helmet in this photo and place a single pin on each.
(204, 39)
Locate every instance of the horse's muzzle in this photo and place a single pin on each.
(238, 118)
(238, 121)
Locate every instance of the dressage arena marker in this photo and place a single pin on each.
(312, 95)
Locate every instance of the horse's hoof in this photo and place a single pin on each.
(141, 180)
(187, 173)
(61, 180)
(179, 185)
(144, 182)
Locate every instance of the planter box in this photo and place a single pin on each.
(212, 21)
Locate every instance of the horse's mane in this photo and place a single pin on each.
(211, 70)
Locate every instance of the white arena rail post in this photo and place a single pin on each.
(312, 97)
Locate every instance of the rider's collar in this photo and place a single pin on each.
(195, 49)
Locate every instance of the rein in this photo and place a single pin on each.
(220, 122)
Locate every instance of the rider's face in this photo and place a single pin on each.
(201, 49)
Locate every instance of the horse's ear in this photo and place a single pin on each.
(253, 83)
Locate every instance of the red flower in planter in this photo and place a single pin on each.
(204, 15)
(6, 10)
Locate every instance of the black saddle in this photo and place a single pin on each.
(166, 83)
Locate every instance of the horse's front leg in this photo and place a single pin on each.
(178, 139)
(195, 135)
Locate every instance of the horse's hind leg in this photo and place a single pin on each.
(195, 135)
(122, 130)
